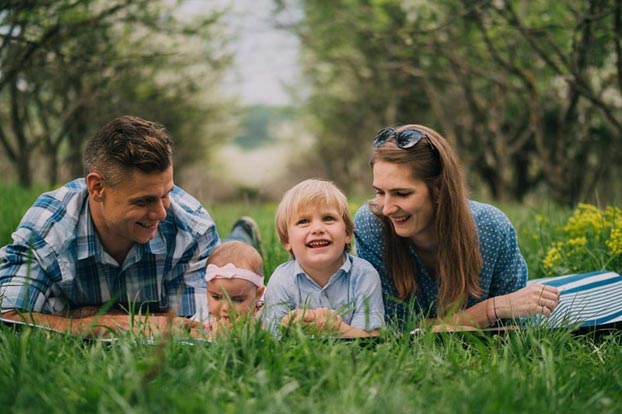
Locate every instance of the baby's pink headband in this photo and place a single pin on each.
(229, 271)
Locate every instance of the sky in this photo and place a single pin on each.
(265, 58)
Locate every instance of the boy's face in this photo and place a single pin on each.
(317, 237)
(231, 298)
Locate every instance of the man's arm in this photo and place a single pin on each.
(88, 322)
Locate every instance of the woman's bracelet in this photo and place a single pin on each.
(494, 307)
(490, 322)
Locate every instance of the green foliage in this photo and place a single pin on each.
(68, 67)
(258, 125)
(250, 371)
(527, 91)
(592, 240)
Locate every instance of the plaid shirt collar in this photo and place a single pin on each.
(89, 244)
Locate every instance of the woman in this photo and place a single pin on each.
(439, 254)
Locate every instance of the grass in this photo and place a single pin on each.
(251, 372)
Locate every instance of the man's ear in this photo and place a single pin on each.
(95, 185)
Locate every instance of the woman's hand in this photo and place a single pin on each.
(533, 299)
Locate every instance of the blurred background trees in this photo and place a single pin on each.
(529, 91)
(69, 66)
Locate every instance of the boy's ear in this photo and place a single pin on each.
(286, 245)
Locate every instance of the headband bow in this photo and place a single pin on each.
(229, 271)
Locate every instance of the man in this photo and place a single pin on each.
(122, 248)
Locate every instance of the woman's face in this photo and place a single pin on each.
(406, 201)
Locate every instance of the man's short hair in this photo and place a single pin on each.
(127, 143)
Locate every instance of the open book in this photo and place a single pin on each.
(587, 299)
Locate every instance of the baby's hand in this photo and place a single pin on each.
(220, 326)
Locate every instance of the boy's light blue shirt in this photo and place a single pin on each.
(354, 291)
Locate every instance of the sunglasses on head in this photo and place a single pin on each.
(403, 139)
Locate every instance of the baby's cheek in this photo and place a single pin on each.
(213, 306)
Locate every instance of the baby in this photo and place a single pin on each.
(323, 287)
(235, 286)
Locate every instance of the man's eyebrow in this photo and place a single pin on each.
(150, 197)
(146, 198)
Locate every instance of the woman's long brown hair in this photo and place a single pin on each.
(458, 254)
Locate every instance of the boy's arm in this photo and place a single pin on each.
(368, 312)
(326, 320)
(277, 304)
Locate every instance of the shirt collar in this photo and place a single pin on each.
(89, 245)
(344, 269)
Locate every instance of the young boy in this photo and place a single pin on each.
(323, 286)
(235, 286)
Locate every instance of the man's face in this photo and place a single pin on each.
(130, 211)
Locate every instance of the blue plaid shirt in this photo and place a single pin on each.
(57, 262)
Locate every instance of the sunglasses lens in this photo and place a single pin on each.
(409, 138)
(382, 136)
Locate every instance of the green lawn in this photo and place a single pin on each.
(250, 372)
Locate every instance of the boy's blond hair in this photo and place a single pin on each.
(311, 193)
(240, 254)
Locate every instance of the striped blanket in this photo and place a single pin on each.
(586, 299)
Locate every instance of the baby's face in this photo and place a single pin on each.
(231, 298)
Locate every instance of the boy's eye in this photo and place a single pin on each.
(238, 299)
(330, 218)
(215, 296)
(302, 221)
